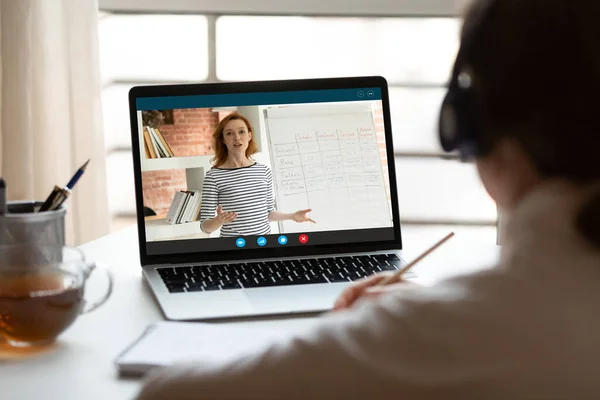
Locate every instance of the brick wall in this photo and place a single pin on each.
(159, 187)
(190, 135)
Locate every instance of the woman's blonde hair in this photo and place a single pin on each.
(221, 152)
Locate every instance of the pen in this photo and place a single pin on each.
(50, 200)
(398, 274)
(2, 196)
(63, 194)
(77, 175)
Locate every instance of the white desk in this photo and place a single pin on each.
(80, 365)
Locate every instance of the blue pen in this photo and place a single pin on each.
(77, 175)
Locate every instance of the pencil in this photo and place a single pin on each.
(397, 276)
(77, 175)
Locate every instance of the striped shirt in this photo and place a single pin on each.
(248, 191)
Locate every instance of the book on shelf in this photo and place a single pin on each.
(186, 199)
(193, 205)
(163, 142)
(195, 210)
(146, 150)
(148, 144)
(184, 208)
(188, 206)
(175, 207)
(156, 144)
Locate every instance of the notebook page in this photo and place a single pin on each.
(166, 343)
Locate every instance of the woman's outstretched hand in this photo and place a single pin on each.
(300, 216)
(224, 217)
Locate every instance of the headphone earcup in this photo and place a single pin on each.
(457, 123)
(448, 124)
(460, 120)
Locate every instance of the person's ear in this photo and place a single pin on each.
(507, 172)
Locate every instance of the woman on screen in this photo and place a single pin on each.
(237, 194)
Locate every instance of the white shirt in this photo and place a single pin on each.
(527, 329)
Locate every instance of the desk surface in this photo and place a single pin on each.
(80, 365)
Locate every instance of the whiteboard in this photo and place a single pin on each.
(326, 157)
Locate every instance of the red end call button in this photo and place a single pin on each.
(303, 238)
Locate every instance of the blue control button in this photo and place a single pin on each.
(240, 242)
(261, 241)
(282, 239)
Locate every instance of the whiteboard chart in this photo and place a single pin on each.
(326, 157)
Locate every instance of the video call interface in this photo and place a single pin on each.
(229, 172)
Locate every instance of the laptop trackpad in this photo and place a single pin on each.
(301, 298)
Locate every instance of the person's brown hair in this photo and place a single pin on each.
(536, 69)
(221, 152)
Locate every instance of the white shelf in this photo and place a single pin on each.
(158, 164)
(158, 229)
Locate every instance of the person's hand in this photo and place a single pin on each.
(366, 288)
(224, 217)
(300, 216)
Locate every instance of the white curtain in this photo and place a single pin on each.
(50, 118)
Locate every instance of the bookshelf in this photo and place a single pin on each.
(195, 169)
(158, 229)
(174, 162)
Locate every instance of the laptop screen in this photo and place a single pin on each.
(263, 172)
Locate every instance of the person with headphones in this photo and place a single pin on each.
(521, 104)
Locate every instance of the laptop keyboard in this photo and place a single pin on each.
(275, 273)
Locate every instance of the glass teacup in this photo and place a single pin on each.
(42, 292)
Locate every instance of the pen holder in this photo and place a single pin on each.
(22, 225)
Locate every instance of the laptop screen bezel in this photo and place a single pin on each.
(138, 92)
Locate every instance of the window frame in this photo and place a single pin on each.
(213, 9)
(364, 8)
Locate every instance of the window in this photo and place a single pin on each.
(153, 48)
(414, 54)
(305, 47)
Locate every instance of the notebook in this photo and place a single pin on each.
(167, 343)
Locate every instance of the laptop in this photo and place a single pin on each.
(263, 198)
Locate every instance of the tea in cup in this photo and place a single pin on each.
(42, 292)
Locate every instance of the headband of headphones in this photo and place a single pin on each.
(460, 122)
